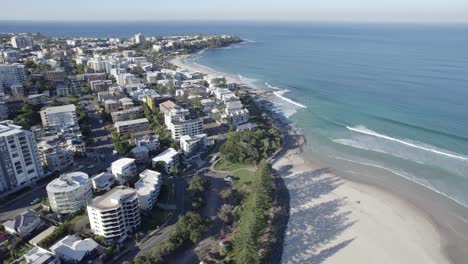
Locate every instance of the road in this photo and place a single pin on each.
(17, 205)
(98, 158)
(99, 154)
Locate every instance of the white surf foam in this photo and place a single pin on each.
(280, 94)
(361, 145)
(366, 131)
(404, 175)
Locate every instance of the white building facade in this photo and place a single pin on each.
(115, 213)
(123, 169)
(70, 192)
(20, 162)
(148, 187)
(59, 116)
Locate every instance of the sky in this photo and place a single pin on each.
(276, 10)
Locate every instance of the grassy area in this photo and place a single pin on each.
(77, 218)
(243, 177)
(224, 165)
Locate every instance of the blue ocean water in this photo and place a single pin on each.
(393, 97)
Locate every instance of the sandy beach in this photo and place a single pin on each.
(384, 219)
(333, 220)
(180, 61)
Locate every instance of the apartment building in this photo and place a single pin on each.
(168, 158)
(235, 113)
(132, 126)
(103, 182)
(55, 158)
(192, 146)
(19, 157)
(12, 74)
(59, 116)
(70, 192)
(147, 188)
(115, 213)
(22, 42)
(183, 127)
(119, 116)
(123, 169)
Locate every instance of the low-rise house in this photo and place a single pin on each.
(24, 224)
(73, 249)
(140, 153)
(103, 182)
(115, 213)
(38, 255)
(37, 99)
(147, 188)
(132, 126)
(123, 169)
(246, 127)
(168, 159)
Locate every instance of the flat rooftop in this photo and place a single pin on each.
(60, 109)
(131, 122)
(166, 155)
(113, 198)
(122, 162)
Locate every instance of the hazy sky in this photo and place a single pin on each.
(315, 10)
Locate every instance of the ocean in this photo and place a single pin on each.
(367, 97)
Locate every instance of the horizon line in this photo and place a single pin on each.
(438, 22)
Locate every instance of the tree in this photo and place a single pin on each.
(225, 213)
(174, 170)
(29, 116)
(245, 241)
(198, 184)
(132, 116)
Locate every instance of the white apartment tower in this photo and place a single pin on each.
(70, 192)
(115, 213)
(20, 163)
(176, 122)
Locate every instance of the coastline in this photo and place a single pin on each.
(366, 220)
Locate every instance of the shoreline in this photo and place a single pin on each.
(426, 232)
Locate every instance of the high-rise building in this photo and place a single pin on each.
(19, 157)
(139, 38)
(115, 213)
(21, 42)
(12, 74)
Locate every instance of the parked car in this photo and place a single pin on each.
(35, 201)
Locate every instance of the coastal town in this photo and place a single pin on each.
(111, 153)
